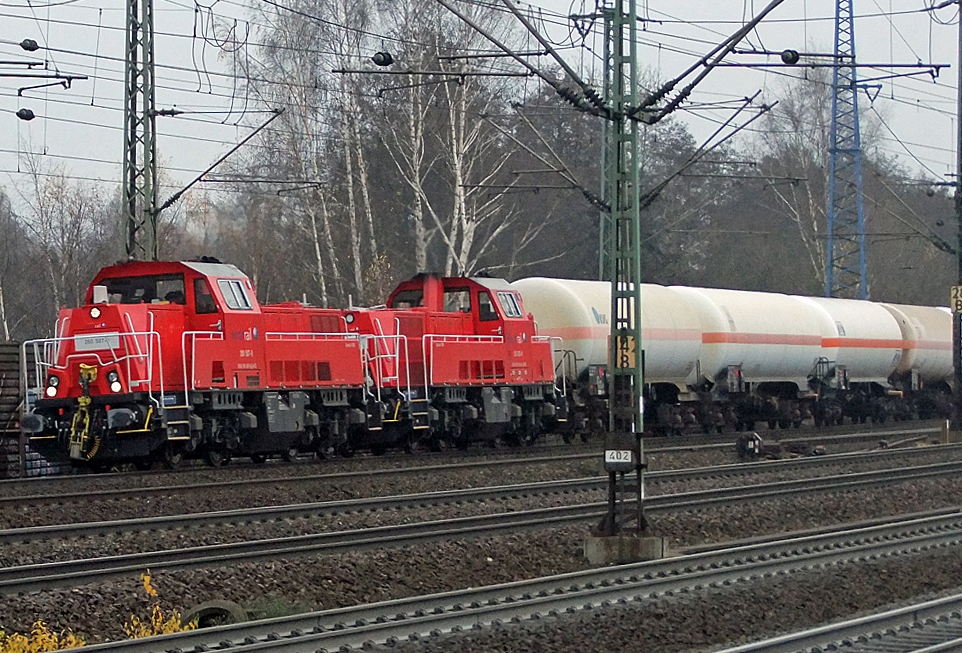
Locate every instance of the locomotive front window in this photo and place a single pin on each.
(408, 299)
(145, 290)
(457, 301)
(235, 295)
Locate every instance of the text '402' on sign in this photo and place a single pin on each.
(618, 456)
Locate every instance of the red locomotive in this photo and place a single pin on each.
(174, 359)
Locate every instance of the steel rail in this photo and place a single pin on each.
(57, 574)
(655, 476)
(419, 617)
(469, 495)
(929, 627)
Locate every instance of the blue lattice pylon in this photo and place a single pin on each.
(845, 265)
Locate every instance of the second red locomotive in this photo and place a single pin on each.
(174, 359)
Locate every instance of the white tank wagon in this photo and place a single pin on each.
(926, 352)
(736, 357)
(861, 341)
(753, 337)
(578, 313)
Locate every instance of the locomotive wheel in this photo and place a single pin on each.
(290, 455)
(413, 444)
(172, 457)
(258, 458)
(217, 458)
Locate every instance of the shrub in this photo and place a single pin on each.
(40, 640)
(157, 623)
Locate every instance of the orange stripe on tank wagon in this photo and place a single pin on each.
(718, 337)
(825, 343)
(867, 343)
(601, 332)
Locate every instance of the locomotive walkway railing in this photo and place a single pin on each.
(136, 352)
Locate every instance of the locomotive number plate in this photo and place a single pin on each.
(95, 341)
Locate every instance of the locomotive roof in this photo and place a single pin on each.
(142, 268)
(215, 269)
(492, 283)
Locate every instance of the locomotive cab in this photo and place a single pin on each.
(455, 360)
(170, 358)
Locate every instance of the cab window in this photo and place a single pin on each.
(509, 304)
(408, 299)
(203, 298)
(235, 295)
(486, 312)
(145, 290)
(457, 301)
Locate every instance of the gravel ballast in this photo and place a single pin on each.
(320, 582)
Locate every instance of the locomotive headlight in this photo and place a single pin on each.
(95, 312)
(114, 380)
(51, 391)
(115, 386)
(52, 382)
(349, 318)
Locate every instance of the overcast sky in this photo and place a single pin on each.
(80, 128)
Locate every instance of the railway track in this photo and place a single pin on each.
(446, 614)
(579, 487)
(14, 492)
(66, 573)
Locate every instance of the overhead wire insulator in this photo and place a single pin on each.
(382, 59)
(790, 57)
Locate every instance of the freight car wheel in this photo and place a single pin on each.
(290, 455)
(345, 450)
(144, 465)
(258, 458)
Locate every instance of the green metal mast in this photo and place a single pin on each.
(140, 135)
(620, 158)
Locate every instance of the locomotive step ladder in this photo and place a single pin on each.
(420, 413)
(177, 422)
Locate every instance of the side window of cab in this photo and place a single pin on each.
(486, 312)
(203, 298)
